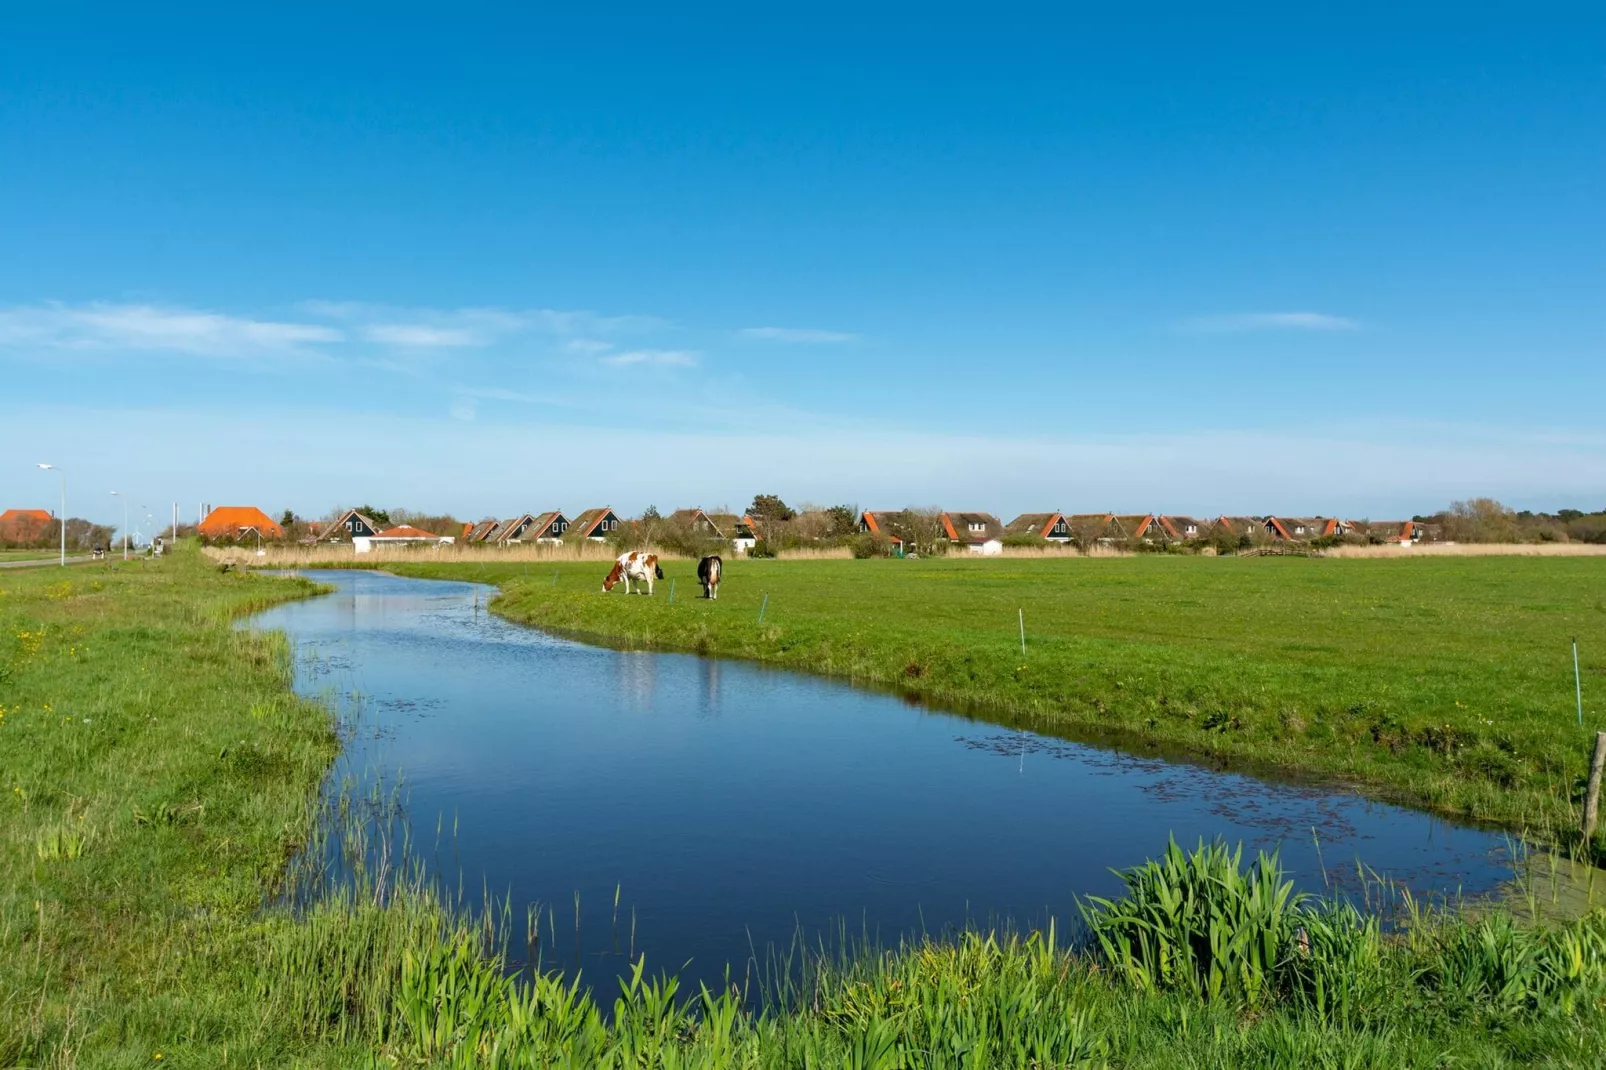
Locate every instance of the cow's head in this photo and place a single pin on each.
(613, 577)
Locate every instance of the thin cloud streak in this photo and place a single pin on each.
(663, 358)
(102, 327)
(796, 334)
(485, 323)
(412, 335)
(1270, 321)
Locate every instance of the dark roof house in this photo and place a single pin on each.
(595, 524)
(1053, 527)
(977, 532)
(350, 525)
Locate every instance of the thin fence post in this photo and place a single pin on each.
(1022, 613)
(1592, 792)
(671, 592)
(554, 577)
(1578, 683)
(763, 606)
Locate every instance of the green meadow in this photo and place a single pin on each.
(157, 776)
(1444, 682)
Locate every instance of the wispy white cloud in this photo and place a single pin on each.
(795, 334)
(1270, 321)
(110, 327)
(479, 324)
(422, 336)
(390, 337)
(464, 409)
(665, 358)
(493, 393)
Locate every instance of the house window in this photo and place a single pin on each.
(977, 526)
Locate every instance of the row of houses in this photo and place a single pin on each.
(552, 527)
(983, 533)
(976, 532)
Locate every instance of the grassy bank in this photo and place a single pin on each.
(1446, 682)
(154, 770)
(157, 773)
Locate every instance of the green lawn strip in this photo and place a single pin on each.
(154, 769)
(1443, 682)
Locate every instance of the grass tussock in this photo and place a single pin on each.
(1204, 962)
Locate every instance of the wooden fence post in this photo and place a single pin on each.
(1592, 792)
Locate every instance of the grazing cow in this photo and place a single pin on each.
(708, 573)
(636, 565)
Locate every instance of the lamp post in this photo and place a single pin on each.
(120, 494)
(63, 475)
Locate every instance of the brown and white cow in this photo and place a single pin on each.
(636, 565)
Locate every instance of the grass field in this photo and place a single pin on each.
(1444, 681)
(30, 555)
(153, 768)
(156, 774)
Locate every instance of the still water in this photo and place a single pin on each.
(732, 808)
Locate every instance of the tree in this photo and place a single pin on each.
(378, 516)
(288, 519)
(769, 507)
(651, 513)
(1480, 520)
(843, 519)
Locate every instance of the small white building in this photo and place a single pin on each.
(401, 535)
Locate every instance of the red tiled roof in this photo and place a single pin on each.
(406, 531)
(232, 519)
(26, 515)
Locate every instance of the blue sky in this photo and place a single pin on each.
(1343, 262)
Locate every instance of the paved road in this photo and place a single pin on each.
(38, 561)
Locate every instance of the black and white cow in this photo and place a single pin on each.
(709, 570)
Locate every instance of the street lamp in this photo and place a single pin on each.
(120, 494)
(63, 475)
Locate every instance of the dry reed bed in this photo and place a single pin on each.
(1473, 549)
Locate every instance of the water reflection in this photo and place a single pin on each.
(729, 807)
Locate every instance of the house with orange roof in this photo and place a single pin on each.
(1144, 528)
(979, 533)
(1050, 527)
(237, 522)
(1394, 532)
(883, 523)
(595, 524)
(1090, 528)
(549, 527)
(1303, 528)
(481, 531)
(26, 525)
(545, 527)
(407, 535)
(1185, 528)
